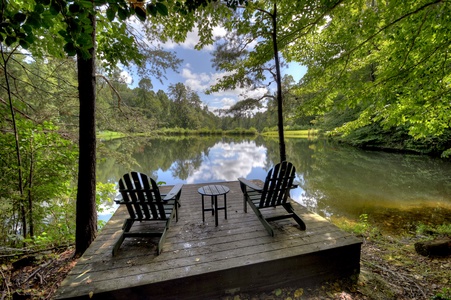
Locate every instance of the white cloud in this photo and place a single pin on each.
(192, 39)
(200, 82)
(125, 77)
(229, 161)
(223, 103)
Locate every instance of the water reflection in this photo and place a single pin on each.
(228, 161)
(334, 181)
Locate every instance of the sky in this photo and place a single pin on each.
(197, 73)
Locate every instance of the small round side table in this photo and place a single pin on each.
(214, 191)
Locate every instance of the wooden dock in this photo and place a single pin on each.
(201, 261)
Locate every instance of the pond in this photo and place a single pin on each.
(394, 190)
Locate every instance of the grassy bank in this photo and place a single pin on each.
(109, 135)
(300, 134)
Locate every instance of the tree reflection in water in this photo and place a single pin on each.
(335, 181)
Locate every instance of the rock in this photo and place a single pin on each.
(437, 247)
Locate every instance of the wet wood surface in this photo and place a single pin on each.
(202, 260)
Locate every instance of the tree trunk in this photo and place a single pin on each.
(22, 213)
(30, 186)
(282, 152)
(86, 219)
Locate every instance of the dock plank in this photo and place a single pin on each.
(203, 260)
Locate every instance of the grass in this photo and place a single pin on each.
(302, 134)
(110, 135)
(392, 258)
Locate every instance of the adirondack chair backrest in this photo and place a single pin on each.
(142, 197)
(277, 185)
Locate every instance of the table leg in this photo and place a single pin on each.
(203, 209)
(216, 210)
(225, 206)
(212, 205)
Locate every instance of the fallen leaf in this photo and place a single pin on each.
(298, 293)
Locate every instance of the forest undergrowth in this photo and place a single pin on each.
(390, 268)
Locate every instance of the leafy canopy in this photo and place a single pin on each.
(388, 59)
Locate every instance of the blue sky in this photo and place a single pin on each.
(196, 72)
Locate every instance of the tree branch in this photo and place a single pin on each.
(113, 88)
(391, 24)
(17, 110)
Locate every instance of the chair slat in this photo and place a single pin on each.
(275, 192)
(141, 196)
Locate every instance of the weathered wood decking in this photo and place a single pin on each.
(201, 261)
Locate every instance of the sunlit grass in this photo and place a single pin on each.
(110, 135)
(444, 229)
(301, 134)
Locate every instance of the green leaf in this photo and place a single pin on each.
(70, 49)
(43, 2)
(111, 13)
(122, 13)
(19, 17)
(85, 53)
(34, 20)
(10, 40)
(55, 8)
(85, 42)
(152, 9)
(24, 44)
(74, 8)
(39, 8)
(140, 13)
(27, 28)
(162, 9)
(63, 33)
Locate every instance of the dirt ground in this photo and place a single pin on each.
(390, 269)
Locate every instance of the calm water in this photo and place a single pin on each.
(334, 181)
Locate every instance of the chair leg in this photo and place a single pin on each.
(298, 220)
(118, 244)
(163, 235)
(125, 228)
(262, 219)
(245, 203)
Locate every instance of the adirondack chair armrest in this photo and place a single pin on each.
(118, 199)
(244, 182)
(173, 192)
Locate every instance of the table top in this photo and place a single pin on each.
(213, 190)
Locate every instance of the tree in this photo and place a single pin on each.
(387, 61)
(72, 25)
(260, 33)
(186, 106)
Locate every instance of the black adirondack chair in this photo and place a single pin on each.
(141, 195)
(275, 192)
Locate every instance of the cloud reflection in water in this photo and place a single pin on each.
(228, 161)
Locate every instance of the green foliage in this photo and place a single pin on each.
(444, 294)
(444, 229)
(361, 228)
(383, 63)
(49, 168)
